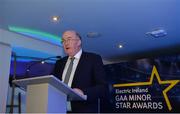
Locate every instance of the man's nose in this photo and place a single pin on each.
(66, 44)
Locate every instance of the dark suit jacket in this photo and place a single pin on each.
(89, 77)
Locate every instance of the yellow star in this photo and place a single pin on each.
(153, 74)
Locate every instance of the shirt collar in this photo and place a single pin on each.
(78, 55)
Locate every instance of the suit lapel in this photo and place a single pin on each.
(78, 69)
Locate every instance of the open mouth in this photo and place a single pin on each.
(67, 48)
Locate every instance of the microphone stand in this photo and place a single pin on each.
(13, 85)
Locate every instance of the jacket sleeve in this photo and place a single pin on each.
(100, 87)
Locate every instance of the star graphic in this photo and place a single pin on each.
(154, 73)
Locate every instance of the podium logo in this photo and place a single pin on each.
(144, 97)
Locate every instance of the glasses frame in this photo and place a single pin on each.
(68, 40)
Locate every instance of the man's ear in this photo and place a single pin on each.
(79, 42)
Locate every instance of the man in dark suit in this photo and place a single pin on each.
(87, 75)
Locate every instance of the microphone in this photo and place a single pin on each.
(56, 57)
(41, 61)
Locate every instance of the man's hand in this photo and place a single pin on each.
(78, 91)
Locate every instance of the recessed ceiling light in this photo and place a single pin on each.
(55, 18)
(159, 32)
(120, 46)
(93, 34)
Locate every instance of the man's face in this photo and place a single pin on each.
(71, 43)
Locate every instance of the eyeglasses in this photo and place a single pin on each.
(68, 40)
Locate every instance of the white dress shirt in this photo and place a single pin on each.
(75, 63)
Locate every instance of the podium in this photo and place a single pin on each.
(47, 94)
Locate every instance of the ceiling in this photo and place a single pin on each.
(117, 22)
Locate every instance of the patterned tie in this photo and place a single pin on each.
(69, 70)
